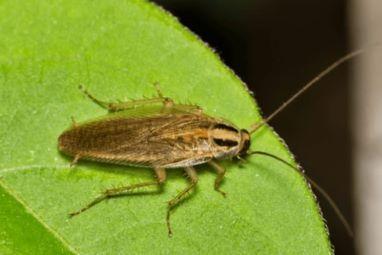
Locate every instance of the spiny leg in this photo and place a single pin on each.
(74, 122)
(157, 88)
(191, 173)
(189, 109)
(168, 103)
(75, 160)
(113, 107)
(161, 177)
(220, 176)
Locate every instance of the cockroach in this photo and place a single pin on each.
(168, 136)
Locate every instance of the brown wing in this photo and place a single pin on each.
(166, 140)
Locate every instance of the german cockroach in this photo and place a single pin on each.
(166, 136)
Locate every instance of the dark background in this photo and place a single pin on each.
(276, 46)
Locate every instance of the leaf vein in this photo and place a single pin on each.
(12, 193)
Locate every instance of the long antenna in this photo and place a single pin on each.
(315, 185)
(330, 68)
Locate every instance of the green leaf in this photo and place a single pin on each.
(117, 49)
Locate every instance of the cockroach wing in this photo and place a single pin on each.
(150, 138)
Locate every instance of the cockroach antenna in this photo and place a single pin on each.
(315, 185)
(308, 85)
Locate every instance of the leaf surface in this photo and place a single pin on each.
(118, 49)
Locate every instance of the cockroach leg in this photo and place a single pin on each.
(113, 107)
(120, 106)
(220, 175)
(74, 123)
(169, 103)
(120, 191)
(191, 173)
(75, 160)
(94, 99)
(194, 109)
(157, 88)
(161, 175)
